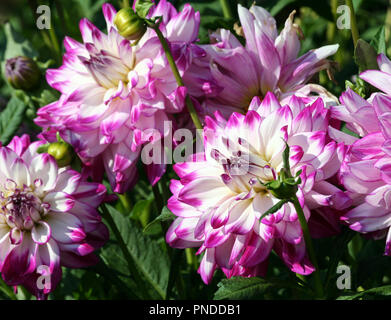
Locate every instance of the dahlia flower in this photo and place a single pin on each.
(48, 217)
(268, 62)
(366, 174)
(220, 196)
(113, 90)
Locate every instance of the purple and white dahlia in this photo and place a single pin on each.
(268, 62)
(219, 198)
(48, 217)
(113, 90)
(366, 169)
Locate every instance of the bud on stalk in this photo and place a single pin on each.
(22, 73)
(62, 152)
(129, 24)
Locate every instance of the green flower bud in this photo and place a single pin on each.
(62, 152)
(22, 73)
(129, 24)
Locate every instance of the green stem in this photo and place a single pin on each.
(175, 276)
(353, 22)
(124, 3)
(158, 198)
(61, 15)
(55, 44)
(226, 9)
(191, 258)
(125, 201)
(309, 246)
(331, 26)
(128, 257)
(178, 78)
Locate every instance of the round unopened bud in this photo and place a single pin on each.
(62, 152)
(22, 73)
(129, 24)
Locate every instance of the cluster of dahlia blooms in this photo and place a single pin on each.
(253, 99)
(220, 196)
(117, 93)
(113, 90)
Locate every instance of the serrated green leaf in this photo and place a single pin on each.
(239, 288)
(148, 256)
(11, 118)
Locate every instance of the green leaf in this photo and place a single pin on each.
(238, 288)
(165, 216)
(379, 41)
(379, 292)
(46, 97)
(142, 7)
(148, 256)
(365, 56)
(142, 211)
(11, 118)
(16, 44)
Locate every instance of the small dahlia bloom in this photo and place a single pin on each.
(268, 62)
(219, 199)
(113, 90)
(48, 217)
(366, 174)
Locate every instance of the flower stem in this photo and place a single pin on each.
(309, 246)
(353, 22)
(226, 9)
(124, 3)
(128, 257)
(125, 201)
(178, 78)
(55, 44)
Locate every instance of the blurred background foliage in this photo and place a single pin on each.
(136, 210)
